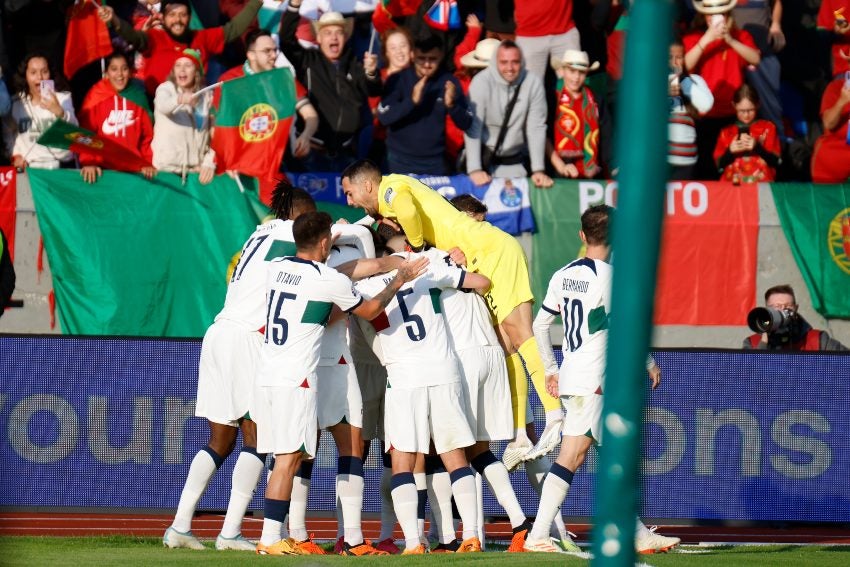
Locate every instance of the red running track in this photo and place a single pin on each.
(207, 526)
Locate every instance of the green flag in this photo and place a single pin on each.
(816, 222)
(137, 257)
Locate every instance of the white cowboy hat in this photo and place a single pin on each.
(480, 57)
(710, 7)
(334, 19)
(578, 60)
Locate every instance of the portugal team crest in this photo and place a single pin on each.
(258, 123)
(838, 240)
(84, 140)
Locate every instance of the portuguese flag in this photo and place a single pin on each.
(113, 155)
(253, 121)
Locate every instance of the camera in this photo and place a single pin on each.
(768, 320)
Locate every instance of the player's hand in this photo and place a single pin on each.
(449, 94)
(390, 223)
(541, 180)
(654, 376)
(409, 270)
(418, 89)
(457, 256)
(91, 173)
(480, 177)
(552, 385)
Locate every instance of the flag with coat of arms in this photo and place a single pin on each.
(253, 122)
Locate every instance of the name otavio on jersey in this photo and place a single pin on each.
(288, 279)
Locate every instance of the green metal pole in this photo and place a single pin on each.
(641, 149)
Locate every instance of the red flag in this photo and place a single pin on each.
(252, 124)
(8, 204)
(382, 17)
(112, 155)
(87, 37)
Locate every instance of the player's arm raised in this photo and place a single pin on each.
(475, 282)
(365, 267)
(409, 270)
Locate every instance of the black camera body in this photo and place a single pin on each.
(769, 320)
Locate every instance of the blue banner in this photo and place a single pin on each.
(730, 435)
(508, 201)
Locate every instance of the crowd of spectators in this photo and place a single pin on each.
(759, 89)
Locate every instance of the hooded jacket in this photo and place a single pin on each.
(339, 91)
(123, 117)
(489, 94)
(181, 133)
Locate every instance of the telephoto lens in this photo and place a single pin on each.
(768, 320)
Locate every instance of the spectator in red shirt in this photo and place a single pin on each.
(834, 16)
(544, 31)
(718, 52)
(831, 159)
(161, 46)
(748, 150)
(117, 108)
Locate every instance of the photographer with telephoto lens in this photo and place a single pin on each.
(778, 326)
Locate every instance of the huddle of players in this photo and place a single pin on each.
(440, 371)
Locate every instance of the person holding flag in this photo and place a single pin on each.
(181, 132)
(160, 46)
(261, 55)
(117, 108)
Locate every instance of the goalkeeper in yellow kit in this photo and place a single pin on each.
(427, 217)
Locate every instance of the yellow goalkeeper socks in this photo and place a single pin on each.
(519, 389)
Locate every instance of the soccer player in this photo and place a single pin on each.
(301, 292)
(229, 354)
(424, 397)
(425, 216)
(580, 293)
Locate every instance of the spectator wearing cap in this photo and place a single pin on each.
(719, 52)
(181, 131)
(261, 55)
(575, 152)
(414, 108)
(161, 46)
(831, 158)
(337, 84)
(690, 98)
(499, 147)
(544, 30)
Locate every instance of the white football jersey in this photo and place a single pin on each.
(335, 340)
(580, 293)
(300, 296)
(469, 322)
(245, 299)
(412, 331)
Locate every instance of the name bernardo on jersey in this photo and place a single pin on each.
(579, 286)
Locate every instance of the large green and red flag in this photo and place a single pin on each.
(816, 222)
(253, 122)
(87, 38)
(66, 136)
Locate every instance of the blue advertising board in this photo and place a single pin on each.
(729, 435)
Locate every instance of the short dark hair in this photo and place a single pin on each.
(781, 288)
(253, 36)
(288, 201)
(309, 228)
(746, 92)
(119, 55)
(594, 224)
(509, 44)
(362, 169)
(428, 43)
(469, 204)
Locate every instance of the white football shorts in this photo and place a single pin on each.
(286, 419)
(415, 416)
(487, 393)
(338, 396)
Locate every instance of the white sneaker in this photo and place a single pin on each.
(549, 439)
(542, 546)
(175, 539)
(653, 542)
(238, 543)
(515, 453)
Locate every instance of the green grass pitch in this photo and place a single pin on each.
(126, 551)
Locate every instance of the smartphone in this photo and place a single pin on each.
(716, 20)
(743, 130)
(47, 88)
(847, 79)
